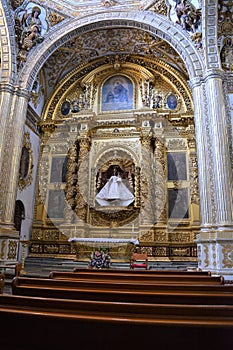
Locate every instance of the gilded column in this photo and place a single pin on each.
(160, 181)
(147, 179)
(82, 197)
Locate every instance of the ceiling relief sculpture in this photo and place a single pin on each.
(31, 33)
(102, 43)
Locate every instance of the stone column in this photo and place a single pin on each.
(14, 103)
(215, 241)
(222, 172)
(6, 97)
(203, 148)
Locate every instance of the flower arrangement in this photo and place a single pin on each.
(99, 260)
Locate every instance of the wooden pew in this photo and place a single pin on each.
(16, 267)
(139, 278)
(144, 272)
(163, 294)
(149, 312)
(2, 282)
(120, 285)
(60, 324)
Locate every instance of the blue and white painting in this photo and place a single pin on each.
(117, 94)
(172, 101)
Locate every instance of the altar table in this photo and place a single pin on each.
(118, 248)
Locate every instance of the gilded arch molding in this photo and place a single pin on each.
(154, 66)
(150, 22)
(103, 154)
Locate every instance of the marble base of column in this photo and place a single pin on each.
(215, 251)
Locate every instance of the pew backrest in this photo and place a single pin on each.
(110, 310)
(139, 278)
(94, 291)
(144, 272)
(57, 324)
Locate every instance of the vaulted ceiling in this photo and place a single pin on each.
(92, 46)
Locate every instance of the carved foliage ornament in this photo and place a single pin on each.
(108, 3)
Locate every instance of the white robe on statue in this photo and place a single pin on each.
(114, 193)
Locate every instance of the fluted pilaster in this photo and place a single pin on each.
(221, 167)
(203, 147)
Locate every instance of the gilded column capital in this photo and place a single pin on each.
(47, 128)
(146, 138)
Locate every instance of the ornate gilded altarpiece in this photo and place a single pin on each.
(126, 122)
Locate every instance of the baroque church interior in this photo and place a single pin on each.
(116, 132)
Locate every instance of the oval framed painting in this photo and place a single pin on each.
(65, 107)
(172, 101)
(26, 163)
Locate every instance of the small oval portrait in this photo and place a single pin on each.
(172, 101)
(65, 108)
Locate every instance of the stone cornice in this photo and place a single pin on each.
(14, 90)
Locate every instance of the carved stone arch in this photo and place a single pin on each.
(108, 69)
(210, 39)
(150, 22)
(8, 68)
(102, 155)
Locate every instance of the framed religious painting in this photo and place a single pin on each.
(178, 203)
(176, 166)
(26, 163)
(56, 204)
(117, 94)
(58, 169)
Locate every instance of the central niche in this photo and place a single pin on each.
(115, 187)
(116, 191)
(117, 94)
